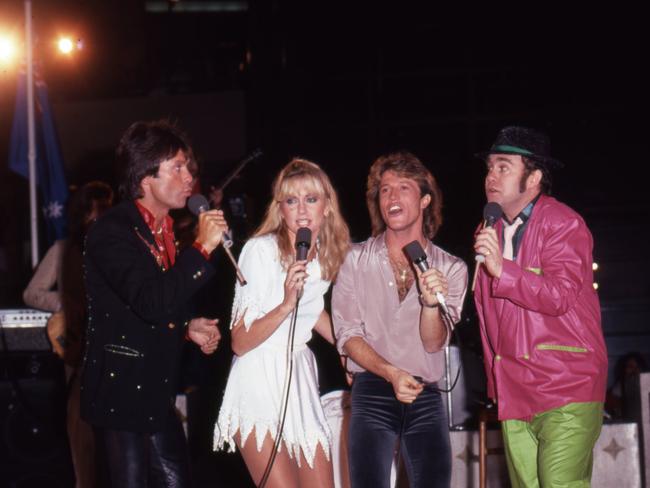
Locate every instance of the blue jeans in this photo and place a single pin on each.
(379, 421)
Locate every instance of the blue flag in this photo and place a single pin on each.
(50, 176)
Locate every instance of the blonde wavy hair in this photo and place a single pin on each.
(406, 165)
(333, 237)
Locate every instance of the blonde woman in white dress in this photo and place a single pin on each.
(303, 196)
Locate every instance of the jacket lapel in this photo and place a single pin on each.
(141, 230)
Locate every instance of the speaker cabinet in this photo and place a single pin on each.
(24, 330)
(34, 450)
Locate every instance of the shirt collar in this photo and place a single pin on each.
(525, 214)
(380, 241)
(149, 219)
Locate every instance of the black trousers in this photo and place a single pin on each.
(137, 460)
(379, 422)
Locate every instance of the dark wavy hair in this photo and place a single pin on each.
(92, 197)
(142, 148)
(406, 165)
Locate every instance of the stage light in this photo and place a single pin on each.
(7, 49)
(65, 45)
(595, 286)
(594, 266)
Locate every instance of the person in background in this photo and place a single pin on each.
(623, 400)
(261, 315)
(57, 286)
(539, 315)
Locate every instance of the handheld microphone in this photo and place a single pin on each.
(197, 204)
(418, 257)
(492, 212)
(303, 243)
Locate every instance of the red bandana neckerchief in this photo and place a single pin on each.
(164, 250)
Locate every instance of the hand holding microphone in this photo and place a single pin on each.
(492, 212)
(297, 272)
(213, 230)
(212, 224)
(486, 242)
(432, 281)
(293, 283)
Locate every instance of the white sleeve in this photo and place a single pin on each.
(255, 262)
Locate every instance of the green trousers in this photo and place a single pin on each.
(554, 449)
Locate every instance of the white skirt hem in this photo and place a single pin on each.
(308, 444)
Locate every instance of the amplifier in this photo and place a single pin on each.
(24, 330)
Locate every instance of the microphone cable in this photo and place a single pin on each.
(302, 244)
(418, 258)
(285, 396)
(449, 323)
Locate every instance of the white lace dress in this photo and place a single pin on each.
(254, 393)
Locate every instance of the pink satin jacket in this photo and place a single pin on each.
(540, 321)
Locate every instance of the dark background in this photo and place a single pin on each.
(341, 84)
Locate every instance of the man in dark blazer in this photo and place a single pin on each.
(138, 291)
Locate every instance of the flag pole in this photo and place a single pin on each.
(31, 135)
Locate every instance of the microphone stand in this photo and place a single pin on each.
(449, 387)
(227, 244)
(448, 382)
(479, 258)
(198, 204)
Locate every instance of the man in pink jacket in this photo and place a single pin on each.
(544, 353)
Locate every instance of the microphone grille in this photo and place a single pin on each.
(197, 204)
(303, 237)
(492, 211)
(415, 252)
